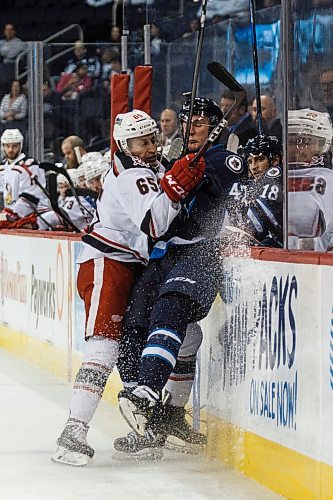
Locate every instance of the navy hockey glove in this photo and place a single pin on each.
(182, 178)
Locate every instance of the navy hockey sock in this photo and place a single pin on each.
(169, 321)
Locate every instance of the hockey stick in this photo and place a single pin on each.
(256, 65)
(50, 167)
(196, 72)
(54, 203)
(241, 232)
(223, 75)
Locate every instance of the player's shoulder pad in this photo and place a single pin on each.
(273, 172)
(219, 156)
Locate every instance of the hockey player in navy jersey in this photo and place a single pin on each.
(258, 207)
(176, 290)
(138, 201)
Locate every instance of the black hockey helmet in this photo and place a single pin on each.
(267, 145)
(203, 106)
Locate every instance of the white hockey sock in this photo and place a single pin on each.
(98, 362)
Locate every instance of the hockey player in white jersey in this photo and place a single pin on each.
(310, 207)
(20, 178)
(138, 201)
(77, 208)
(94, 174)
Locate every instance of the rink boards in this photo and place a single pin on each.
(266, 363)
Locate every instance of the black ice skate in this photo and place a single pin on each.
(73, 448)
(149, 446)
(181, 436)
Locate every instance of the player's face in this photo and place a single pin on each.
(145, 148)
(82, 182)
(258, 164)
(63, 186)
(302, 148)
(12, 150)
(69, 154)
(199, 132)
(96, 184)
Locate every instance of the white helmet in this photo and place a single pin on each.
(311, 123)
(62, 179)
(107, 156)
(74, 176)
(81, 170)
(12, 136)
(95, 169)
(92, 156)
(130, 125)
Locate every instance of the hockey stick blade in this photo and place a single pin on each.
(240, 232)
(223, 76)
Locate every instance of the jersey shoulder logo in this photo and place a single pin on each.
(234, 163)
(273, 172)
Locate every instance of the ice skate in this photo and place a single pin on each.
(73, 448)
(135, 406)
(149, 446)
(181, 436)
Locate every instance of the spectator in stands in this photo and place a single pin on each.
(71, 85)
(326, 87)
(240, 121)
(51, 108)
(271, 123)
(115, 68)
(10, 45)
(72, 148)
(193, 27)
(80, 55)
(14, 107)
(115, 38)
(155, 40)
(169, 128)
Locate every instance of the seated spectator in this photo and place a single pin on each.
(240, 121)
(115, 39)
(155, 40)
(14, 107)
(10, 45)
(326, 87)
(108, 55)
(271, 124)
(169, 129)
(115, 68)
(193, 27)
(71, 85)
(51, 106)
(80, 55)
(72, 155)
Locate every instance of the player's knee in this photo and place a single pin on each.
(172, 311)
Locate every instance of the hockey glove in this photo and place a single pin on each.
(182, 178)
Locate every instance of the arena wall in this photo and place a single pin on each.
(266, 367)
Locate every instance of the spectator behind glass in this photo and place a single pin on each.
(51, 106)
(80, 55)
(71, 85)
(326, 88)
(193, 27)
(10, 45)
(271, 124)
(113, 67)
(169, 128)
(115, 38)
(240, 121)
(155, 40)
(13, 106)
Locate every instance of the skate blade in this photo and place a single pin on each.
(151, 454)
(175, 444)
(67, 457)
(135, 420)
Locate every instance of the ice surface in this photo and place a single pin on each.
(33, 410)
